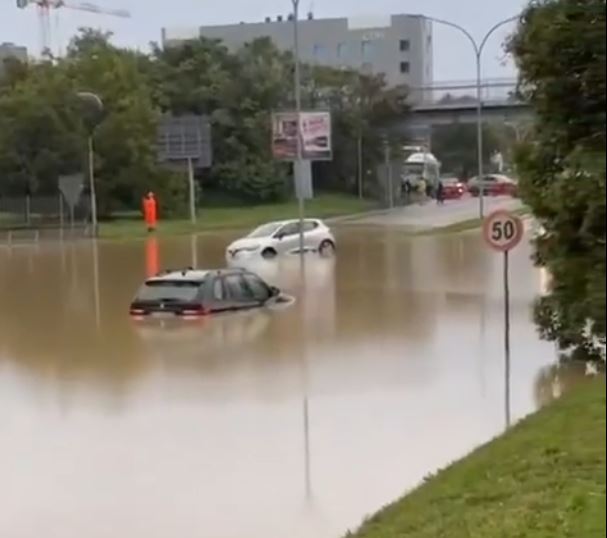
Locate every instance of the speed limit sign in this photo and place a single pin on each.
(503, 230)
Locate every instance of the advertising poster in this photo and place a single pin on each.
(314, 132)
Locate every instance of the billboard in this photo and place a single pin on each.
(314, 132)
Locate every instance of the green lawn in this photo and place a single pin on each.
(222, 218)
(543, 479)
(469, 224)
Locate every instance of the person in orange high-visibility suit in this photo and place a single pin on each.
(150, 211)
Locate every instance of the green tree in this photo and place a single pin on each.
(237, 92)
(39, 131)
(363, 110)
(455, 146)
(125, 157)
(42, 132)
(43, 125)
(562, 170)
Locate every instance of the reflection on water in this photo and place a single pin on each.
(264, 424)
(555, 380)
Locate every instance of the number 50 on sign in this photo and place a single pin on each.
(503, 230)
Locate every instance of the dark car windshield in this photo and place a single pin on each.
(265, 230)
(169, 290)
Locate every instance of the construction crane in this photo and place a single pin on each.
(44, 8)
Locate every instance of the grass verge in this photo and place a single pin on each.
(545, 478)
(469, 224)
(222, 218)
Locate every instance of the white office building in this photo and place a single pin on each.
(399, 46)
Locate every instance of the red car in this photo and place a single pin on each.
(453, 188)
(493, 185)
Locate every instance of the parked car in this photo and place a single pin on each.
(453, 188)
(282, 237)
(493, 185)
(191, 293)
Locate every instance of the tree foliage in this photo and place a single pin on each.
(43, 127)
(457, 149)
(563, 169)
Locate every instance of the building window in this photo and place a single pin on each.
(367, 49)
(404, 67)
(405, 45)
(341, 50)
(320, 52)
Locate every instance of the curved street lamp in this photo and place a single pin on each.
(92, 116)
(478, 52)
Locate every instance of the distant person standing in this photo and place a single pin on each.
(440, 193)
(407, 188)
(150, 211)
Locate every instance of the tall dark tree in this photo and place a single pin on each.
(560, 51)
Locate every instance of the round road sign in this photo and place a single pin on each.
(503, 230)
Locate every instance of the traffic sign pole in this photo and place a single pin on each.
(192, 190)
(507, 334)
(503, 231)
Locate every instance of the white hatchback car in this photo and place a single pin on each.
(282, 237)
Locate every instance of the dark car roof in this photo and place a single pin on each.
(192, 275)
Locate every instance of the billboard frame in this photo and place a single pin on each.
(287, 151)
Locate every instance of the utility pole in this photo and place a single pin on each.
(298, 168)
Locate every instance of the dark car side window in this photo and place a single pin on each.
(310, 225)
(258, 288)
(289, 229)
(237, 289)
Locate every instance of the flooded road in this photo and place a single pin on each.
(292, 423)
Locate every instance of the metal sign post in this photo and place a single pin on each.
(192, 190)
(71, 188)
(503, 231)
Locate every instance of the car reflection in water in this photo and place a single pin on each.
(315, 293)
(211, 338)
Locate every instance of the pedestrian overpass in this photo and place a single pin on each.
(446, 103)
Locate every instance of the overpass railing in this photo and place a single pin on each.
(450, 94)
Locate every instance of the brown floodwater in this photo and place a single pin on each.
(294, 423)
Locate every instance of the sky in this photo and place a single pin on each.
(453, 56)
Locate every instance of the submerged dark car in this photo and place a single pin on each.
(193, 293)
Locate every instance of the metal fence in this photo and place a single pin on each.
(31, 218)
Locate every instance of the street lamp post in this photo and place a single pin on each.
(478, 52)
(298, 168)
(92, 118)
